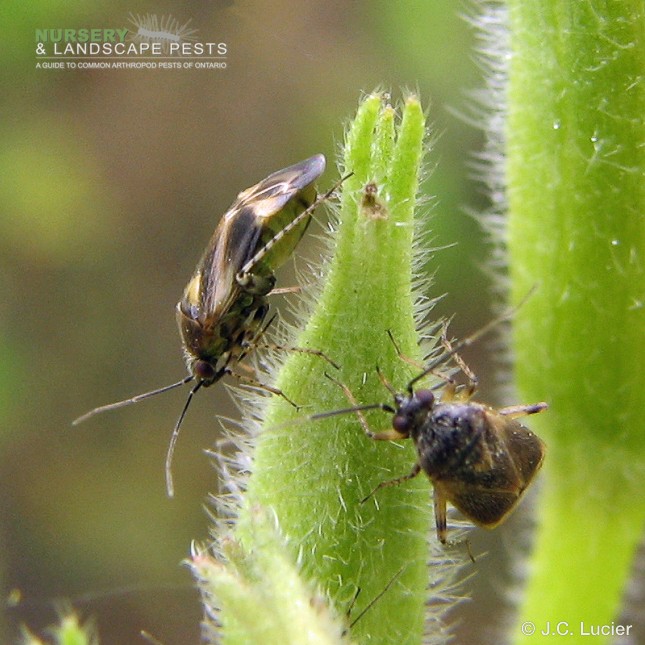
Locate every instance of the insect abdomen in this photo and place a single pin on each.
(480, 460)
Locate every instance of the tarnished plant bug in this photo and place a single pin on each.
(478, 458)
(222, 311)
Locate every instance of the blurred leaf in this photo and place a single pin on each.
(51, 195)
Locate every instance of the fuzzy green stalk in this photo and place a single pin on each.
(313, 475)
(69, 631)
(575, 165)
(260, 593)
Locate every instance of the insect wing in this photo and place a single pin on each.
(496, 466)
(213, 287)
(276, 202)
(259, 214)
(525, 448)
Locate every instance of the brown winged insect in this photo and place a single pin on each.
(223, 308)
(478, 458)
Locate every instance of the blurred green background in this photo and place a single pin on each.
(112, 182)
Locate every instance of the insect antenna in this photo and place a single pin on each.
(332, 413)
(468, 341)
(338, 412)
(375, 599)
(356, 408)
(134, 399)
(170, 488)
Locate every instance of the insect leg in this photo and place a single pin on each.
(410, 361)
(473, 381)
(282, 290)
(248, 380)
(385, 435)
(402, 356)
(441, 523)
(302, 350)
(314, 352)
(469, 340)
(440, 515)
(515, 411)
(418, 365)
(396, 482)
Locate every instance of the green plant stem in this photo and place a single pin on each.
(576, 229)
(313, 476)
(69, 631)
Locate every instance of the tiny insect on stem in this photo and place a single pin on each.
(478, 458)
(223, 308)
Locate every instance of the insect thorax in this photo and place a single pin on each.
(455, 441)
(223, 341)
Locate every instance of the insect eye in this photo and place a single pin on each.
(425, 398)
(204, 372)
(401, 423)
